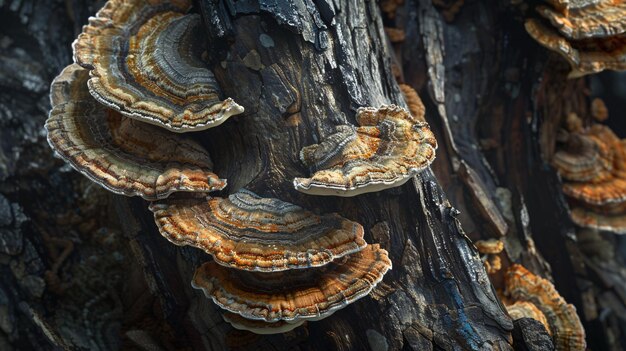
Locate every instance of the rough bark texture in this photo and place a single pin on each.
(83, 269)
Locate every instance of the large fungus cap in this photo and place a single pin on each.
(585, 56)
(565, 326)
(248, 232)
(589, 218)
(388, 148)
(588, 19)
(145, 62)
(124, 156)
(583, 159)
(294, 295)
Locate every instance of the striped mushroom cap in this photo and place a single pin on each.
(249, 232)
(388, 148)
(124, 156)
(311, 294)
(564, 324)
(144, 58)
(590, 35)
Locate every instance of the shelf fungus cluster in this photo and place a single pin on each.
(388, 148)
(275, 264)
(589, 34)
(490, 251)
(530, 296)
(592, 164)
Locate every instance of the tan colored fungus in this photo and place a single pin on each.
(525, 309)
(144, 58)
(124, 156)
(248, 232)
(388, 148)
(564, 324)
(310, 294)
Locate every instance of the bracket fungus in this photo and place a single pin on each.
(388, 148)
(489, 250)
(292, 296)
(145, 62)
(592, 164)
(590, 35)
(564, 324)
(525, 309)
(248, 232)
(124, 156)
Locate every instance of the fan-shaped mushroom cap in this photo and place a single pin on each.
(584, 159)
(588, 19)
(567, 330)
(585, 56)
(124, 156)
(248, 232)
(293, 295)
(588, 218)
(389, 148)
(261, 327)
(525, 309)
(144, 57)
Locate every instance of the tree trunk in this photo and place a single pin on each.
(85, 269)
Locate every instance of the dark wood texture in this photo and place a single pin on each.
(83, 269)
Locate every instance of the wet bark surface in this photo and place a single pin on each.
(83, 269)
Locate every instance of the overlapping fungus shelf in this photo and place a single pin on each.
(564, 324)
(525, 309)
(388, 148)
(590, 35)
(260, 327)
(124, 156)
(248, 232)
(292, 296)
(145, 62)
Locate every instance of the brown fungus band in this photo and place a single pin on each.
(123, 155)
(590, 35)
(564, 324)
(145, 61)
(592, 163)
(249, 232)
(291, 296)
(388, 148)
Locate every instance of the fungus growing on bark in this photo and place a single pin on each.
(388, 148)
(144, 61)
(248, 232)
(311, 294)
(123, 155)
(564, 324)
(599, 111)
(590, 35)
(489, 250)
(525, 309)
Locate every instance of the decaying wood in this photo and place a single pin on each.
(300, 68)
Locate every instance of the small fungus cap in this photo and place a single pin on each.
(525, 309)
(567, 330)
(490, 246)
(294, 295)
(388, 148)
(248, 232)
(144, 58)
(122, 155)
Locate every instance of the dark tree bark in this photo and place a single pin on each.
(85, 269)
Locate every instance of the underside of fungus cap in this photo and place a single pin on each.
(249, 232)
(145, 61)
(260, 327)
(588, 19)
(124, 156)
(590, 218)
(310, 294)
(567, 330)
(388, 148)
(585, 56)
